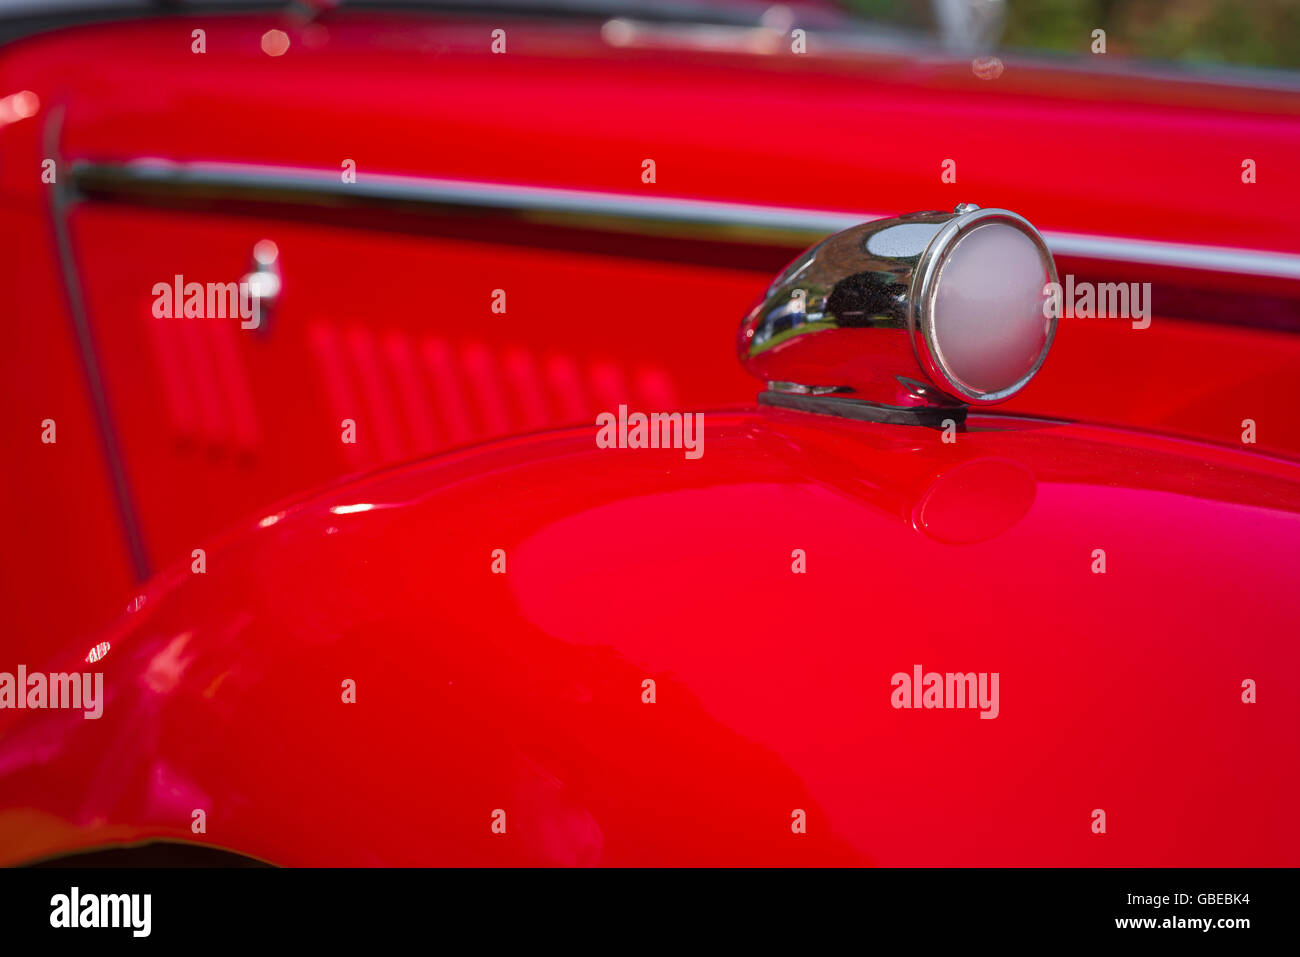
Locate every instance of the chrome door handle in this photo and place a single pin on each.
(264, 282)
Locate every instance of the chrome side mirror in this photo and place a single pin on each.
(928, 311)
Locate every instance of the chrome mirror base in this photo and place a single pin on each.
(927, 416)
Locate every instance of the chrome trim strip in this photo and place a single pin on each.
(671, 217)
(1151, 252)
(60, 198)
(686, 218)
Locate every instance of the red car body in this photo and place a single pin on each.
(523, 691)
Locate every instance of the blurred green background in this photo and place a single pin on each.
(1263, 33)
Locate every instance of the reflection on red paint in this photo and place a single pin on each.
(275, 42)
(18, 106)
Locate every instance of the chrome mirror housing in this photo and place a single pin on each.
(904, 317)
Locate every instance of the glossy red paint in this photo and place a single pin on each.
(59, 525)
(1069, 149)
(214, 425)
(773, 688)
(523, 691)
